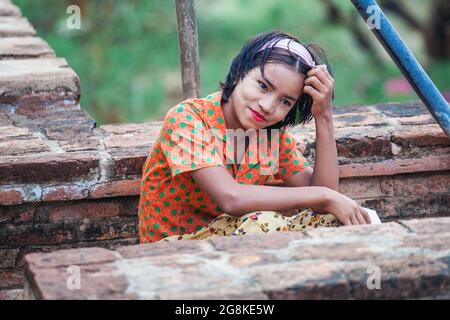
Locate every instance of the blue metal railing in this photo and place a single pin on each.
(405, 60)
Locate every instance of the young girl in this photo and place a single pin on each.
(196, 182)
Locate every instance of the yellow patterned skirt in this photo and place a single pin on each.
(259, 222)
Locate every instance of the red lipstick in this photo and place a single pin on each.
(257, 116)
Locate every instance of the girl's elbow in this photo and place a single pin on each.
(231, 203)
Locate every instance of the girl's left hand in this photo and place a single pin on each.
(319, 85)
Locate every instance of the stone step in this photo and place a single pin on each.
(14, 26)
(397, 260)
(24, 48)
(22, 77)
(8, 9)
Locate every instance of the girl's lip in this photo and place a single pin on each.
(257, 116)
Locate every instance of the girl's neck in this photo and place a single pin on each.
(231, 121)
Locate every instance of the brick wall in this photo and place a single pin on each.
(399, 260)
(64, 182)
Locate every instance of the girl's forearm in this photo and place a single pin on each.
(250, 198)
(326, 171)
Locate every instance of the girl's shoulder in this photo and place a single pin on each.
(193, 107)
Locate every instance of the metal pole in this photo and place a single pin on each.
(405, 60)
(188, 45)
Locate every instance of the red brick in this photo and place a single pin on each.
(408, 185)
(277, 241)
(236, 293)
(395, 166)
(313, 279)
(85, 210)
(51, 167)
(36, 75)
(10, 278)
(8, 257)
(59, 193)
(364, 147)
(422, 119)
(128, 162)
(67, 257)
(125, 135)
(162, 248)
(401, 110)
(357, 188)
(10, 197)
(98, 281)
(420, 136)
(115, 188)
(362, 118)
(244, 261)
(13, 294)
(394, 208)
(36, 234)
(25, 216)
(438, 226)
(23, 145)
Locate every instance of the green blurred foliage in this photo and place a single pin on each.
(126, 53)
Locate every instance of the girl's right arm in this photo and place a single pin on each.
(239, 199)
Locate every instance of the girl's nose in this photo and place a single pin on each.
(267, 104)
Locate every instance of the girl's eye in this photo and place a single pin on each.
(262, 85)
(286, 102)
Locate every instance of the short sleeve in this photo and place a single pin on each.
(291, 160)
(185, 141)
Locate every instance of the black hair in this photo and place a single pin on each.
(251, 56)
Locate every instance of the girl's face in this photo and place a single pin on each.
(260, 101)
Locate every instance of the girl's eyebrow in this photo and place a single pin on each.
(274, 88)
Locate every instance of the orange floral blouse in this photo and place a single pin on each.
(194, 136)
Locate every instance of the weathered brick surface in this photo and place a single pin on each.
(21, 76)
(58, 193)
(11, 278)
(123, 154)
(397, 166)
(11, 26)
(421, 184)
(20, 142)
(329, 263)
(13, 294)
(392, 208)
(368, 187)
(115, 188)
(8, 257)
(49, 168)
(8, 9)
(425, 135)
(65, 183)
(24, 48)
(10, 197)
(127, 163)
(57, 231)
(123, 136)
(85, 211)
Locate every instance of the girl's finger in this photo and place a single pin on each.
(327, 74)
(316, 83)
(354, 220)
(321, 73)
(360, 218)
(346, 222)
(312, 92)
(365, 215)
